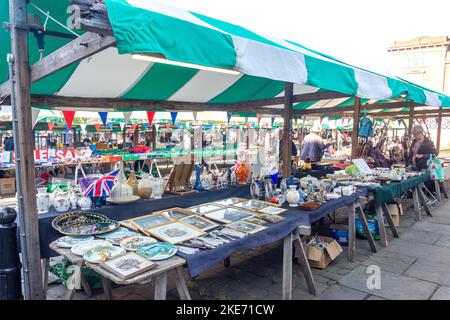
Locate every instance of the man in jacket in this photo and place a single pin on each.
(421, 149)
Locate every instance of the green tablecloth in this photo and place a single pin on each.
(388, 192)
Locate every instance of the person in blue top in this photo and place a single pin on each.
(313, 146)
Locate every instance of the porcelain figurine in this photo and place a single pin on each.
(73, 199)
(292, 196)
(145, 186)
(43, 200)
(62, 202)
(85, 203)
(133, 182)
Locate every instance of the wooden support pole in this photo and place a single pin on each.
(411, 121)
(439, 129)
(136, 136)
(356, 113)
(287, 150)
(24, 148)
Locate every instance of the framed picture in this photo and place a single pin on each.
(128, 265)
(245, 226)
(175, 232)
(253, 205)
(205, 208)
(270, 217)
(129, 225)
(150, 221)
(174, 213)
(272, 210)
(255, 220)
(229, 201)
(228, 215)
(200, 223)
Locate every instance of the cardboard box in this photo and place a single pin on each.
(8, 186)
(321, 258)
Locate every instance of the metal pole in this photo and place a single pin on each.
(10, 59)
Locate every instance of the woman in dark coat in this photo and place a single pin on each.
(421, 149)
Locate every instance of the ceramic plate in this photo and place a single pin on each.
(122, 231)
(157, 251)
(69, 242)
(126, 200)
(101, 254)
(80, 248)
(135, 242)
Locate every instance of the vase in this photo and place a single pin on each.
(43, 200)
(73, 200)
(121, 189)
(157, 186)
(84, 203)
(198, 182)
(62, 202)
(145, 186)
(292, 196)
(133, 183)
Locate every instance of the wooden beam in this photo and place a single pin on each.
(24, 148)
(439, 129)
(411, 122)
(356, 114)
(78, 49)
(287, 150)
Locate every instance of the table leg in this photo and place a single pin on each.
(441, 183)
(287, 267)
(107, 288)
(45, 263)
(367, 232)
(381, 228)
(388, 216)
(227, 262)
(423, 201)
(415, 194)
(161, 286)
(437, 187)
(304, 264)
(351, 234)
(183, 291)
(85, 285)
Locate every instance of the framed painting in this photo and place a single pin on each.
(152, 220)
(128, 265)
(174, 213)
(200, 223)
(246, 227)
(175, 232)
(205, 208)
(228, 215)
(229, 201)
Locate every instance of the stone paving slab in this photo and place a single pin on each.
(393, 287)
(443, 293)
(421, 236)
(391, 262)
(338, 292)
(430, 271)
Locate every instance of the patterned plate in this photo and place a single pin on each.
(134, 243)
(101, 254)
(69, 242)
(157, 251)
(83, 223)
(80, 248)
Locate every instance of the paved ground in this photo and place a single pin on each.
(416, 266)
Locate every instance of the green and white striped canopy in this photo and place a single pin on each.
(264, 62)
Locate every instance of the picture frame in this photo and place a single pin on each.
(129, 225)
(128, 265)
(256, 220)
(228, 215)
(174, 214)
(272, 218)
(200, 223)
(254, 205)
(246, 227)
(175, 232)
(229, 201)
(272, 210)
(149, 221)
(205, 208)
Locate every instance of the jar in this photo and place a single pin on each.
(292, 196)
(145, 186)
(62, 202)
(43, 200)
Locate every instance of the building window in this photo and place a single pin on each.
(415, 60)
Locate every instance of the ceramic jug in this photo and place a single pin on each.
(43, 200)
(133, 182)
(121, 189)
(73, 199)
(292, 196)
(145, 186)
(62, 202)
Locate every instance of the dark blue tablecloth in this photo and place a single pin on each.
(203, 260)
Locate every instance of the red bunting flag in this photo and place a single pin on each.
(134, 126)
(150, 116)
(51, 125)
(97, 126)
(259, 118)
(69, 116)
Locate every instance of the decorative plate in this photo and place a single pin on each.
(118, 233)
(101, 254)
(135, 242)
(126, 200)
(80, 248)
(83, 223)
(69, 242)
(157, 251)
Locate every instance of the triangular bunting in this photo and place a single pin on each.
(150, 116)
(194, 114)
(228, 117)
(104, 117)
(122, 125)
(35, 115)
(50, 125)
(174, 116)
(110, 125)
(127, 116)
(259, 118)
(83, 127)
(134, 125)
(97, 126)
(69, 116)
(273, 120)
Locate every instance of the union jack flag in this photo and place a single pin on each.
(102, 186)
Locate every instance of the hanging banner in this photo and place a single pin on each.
(97, 127)
(104, 117)
(122, 125)
(150, 116)
(68, 116)
(35, 116)
(50, 125)
(174, 117)
(83, 127)
(228, 117)
(127, 116)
